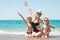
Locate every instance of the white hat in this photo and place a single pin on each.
(39, 11)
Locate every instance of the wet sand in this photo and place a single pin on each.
(21, 37)
(54, 35)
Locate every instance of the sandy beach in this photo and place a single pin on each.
(20, 36)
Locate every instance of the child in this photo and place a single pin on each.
(46, 28)
(29, 28)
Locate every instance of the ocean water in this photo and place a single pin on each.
(19, 25)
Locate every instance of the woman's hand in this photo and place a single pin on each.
(25, 4)
(28, 8)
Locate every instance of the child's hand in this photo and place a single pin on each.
(53, 27)
(19, 14)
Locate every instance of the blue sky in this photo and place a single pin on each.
(10, 8)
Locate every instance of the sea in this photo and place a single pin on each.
(7, 26)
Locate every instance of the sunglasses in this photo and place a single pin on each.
(45, 20)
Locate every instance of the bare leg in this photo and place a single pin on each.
(26, 35)
(46, 35)
(30, 35)
(33, 34)
(38, 34)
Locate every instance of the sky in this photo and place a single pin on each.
(9, 9)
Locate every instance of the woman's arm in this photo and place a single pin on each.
(28, 8)
(22, 17)
(37, 27)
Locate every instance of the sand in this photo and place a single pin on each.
(21, 37)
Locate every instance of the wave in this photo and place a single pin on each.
(52, 33)
(55, 32)
(11, 32)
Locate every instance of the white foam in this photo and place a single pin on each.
(54, 33)
(10, 32)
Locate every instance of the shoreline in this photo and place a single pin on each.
(53, 32)
(54, 35)
(21, 37)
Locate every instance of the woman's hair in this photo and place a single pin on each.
(29, 18)
(46, 19)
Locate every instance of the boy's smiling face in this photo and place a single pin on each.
(29, 19)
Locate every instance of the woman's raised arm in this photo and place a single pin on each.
(28, 8)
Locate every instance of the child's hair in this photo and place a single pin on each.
(29, 18)
(46, 19)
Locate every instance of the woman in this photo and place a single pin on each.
(35, 21)
(28, 22)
